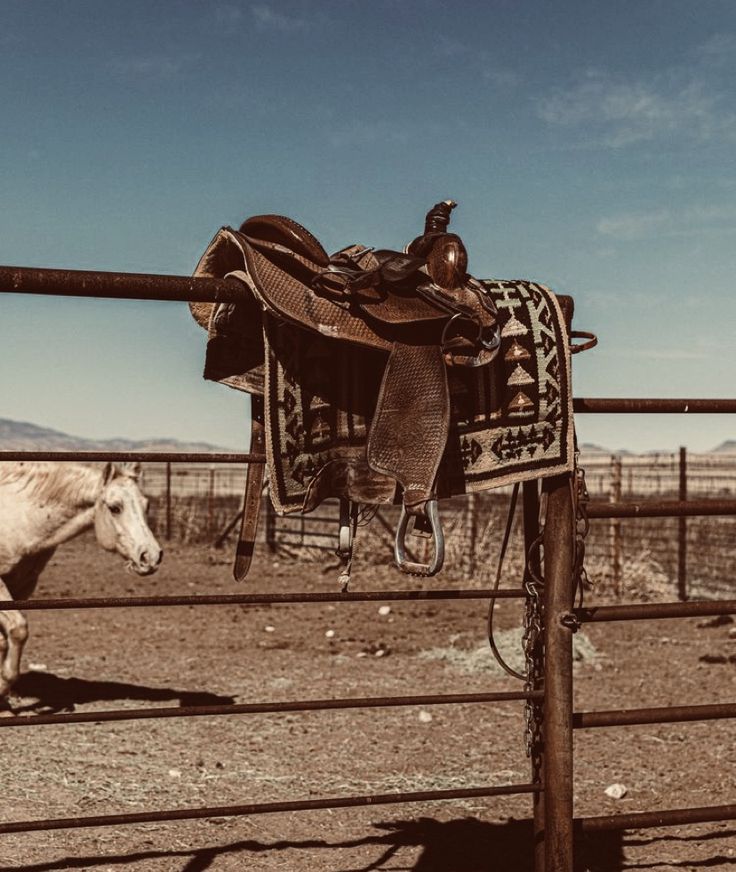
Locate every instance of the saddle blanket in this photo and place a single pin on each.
(511, 421)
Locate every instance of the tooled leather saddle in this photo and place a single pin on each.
(380, 376)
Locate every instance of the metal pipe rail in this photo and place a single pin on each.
(677, 714)
(119, 286)
(308, 705)
(253, 599)
(644, 405)
(135, 456)
(655, 611)
(661, 508)
(184, 814)
(646, 819)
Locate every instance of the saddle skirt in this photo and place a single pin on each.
(368, 396)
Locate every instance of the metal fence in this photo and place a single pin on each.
(199, 503)
(552, 760)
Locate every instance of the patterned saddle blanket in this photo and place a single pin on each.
(381, 377)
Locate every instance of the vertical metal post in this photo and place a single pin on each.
(682, 591)
(530, 495)
(615, 528)
(472, 528)
(211, 502)
(558, 598)
(168, 501)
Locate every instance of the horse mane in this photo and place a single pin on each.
(53, 482)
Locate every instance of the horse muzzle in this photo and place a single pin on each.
(147, 562)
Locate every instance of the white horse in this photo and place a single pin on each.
(43, 505)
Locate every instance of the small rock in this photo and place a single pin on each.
(732, 633)
(269, 629)
(329, 634)
(362, 654)
(38, 667)
(425, 717)
(381, 652)
(616, 791)
(174, 773)
(384, 610)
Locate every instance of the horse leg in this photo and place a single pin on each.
(14, 628)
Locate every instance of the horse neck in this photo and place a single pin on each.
(63, 502)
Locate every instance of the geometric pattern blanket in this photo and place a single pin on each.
(511, 420)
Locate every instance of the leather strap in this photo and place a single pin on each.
(412, 419)
(582, 346)
(253, 488)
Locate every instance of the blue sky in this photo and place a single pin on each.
(590, 146)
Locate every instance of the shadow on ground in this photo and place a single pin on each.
(464, 845)
(50, 693)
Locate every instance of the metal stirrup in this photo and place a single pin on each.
(438, 539)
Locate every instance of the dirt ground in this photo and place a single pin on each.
(99, 659)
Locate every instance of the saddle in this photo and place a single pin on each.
(369, 369)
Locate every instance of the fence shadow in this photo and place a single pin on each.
(463, 845)
(52, 693)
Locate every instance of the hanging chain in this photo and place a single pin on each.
(533, 637)
(533, 643)
(581, 580)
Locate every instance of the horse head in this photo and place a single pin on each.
(120, 519)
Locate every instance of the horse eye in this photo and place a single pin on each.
(116, 508)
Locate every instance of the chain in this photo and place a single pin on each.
(533, 643)
(533, 638)
(582, 526)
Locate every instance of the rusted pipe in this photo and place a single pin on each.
(661, 508)
(252, 599)
(670, 817)
(654, 611)
(636, 405)
(117, 285)
(662, 715)
(135, 456)
(308, 705)
(183, 814)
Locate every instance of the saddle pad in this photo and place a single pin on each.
(511, 420)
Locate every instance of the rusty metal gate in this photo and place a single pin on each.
(552, 762)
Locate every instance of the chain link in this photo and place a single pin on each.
(533, 637)
(533, 642)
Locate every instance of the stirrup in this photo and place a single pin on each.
(438, 539)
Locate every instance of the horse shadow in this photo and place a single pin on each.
(462, 845)
(49, 693)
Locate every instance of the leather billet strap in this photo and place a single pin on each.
(253, 489)
(582, 346)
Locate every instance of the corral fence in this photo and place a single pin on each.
(551, 784)
(201, 503)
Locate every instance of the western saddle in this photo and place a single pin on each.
(399, 321)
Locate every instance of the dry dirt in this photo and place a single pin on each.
(102, 659)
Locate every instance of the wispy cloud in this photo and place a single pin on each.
(684, 102)
(268, 18)
(483, 61)
(718, 50)
(685, 222)
(227, 14)
(147, 68)
(620, 113)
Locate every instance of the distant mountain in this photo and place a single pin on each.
(588, 449)
(22, 436)
(727, 447)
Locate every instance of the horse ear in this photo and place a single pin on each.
(108, 473)
(132, 470)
